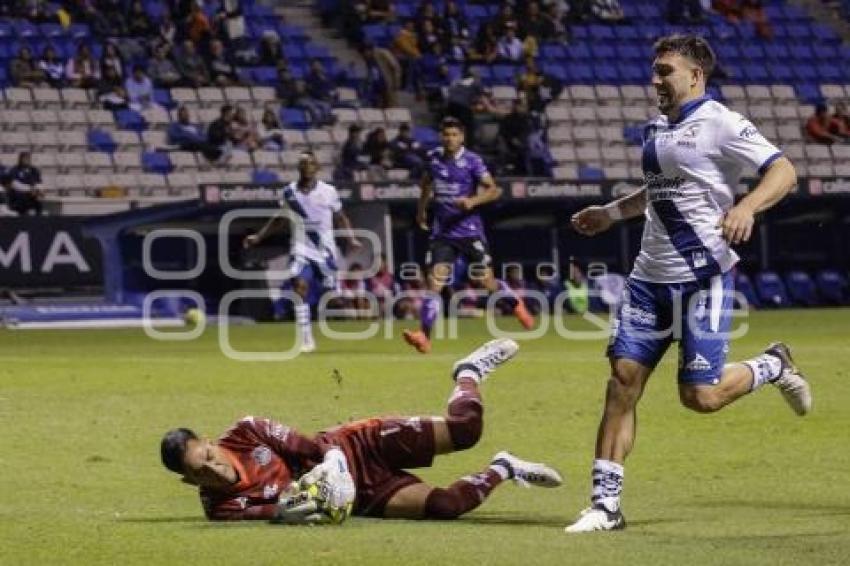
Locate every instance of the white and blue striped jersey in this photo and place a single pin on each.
(316, 207)
(691, 168)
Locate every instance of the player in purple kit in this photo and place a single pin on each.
(459, 183)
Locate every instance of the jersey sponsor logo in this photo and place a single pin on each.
(638, 315)
(691, 131)
(699, 258)
(749, 131)
(269, 491)
(686, 144)
(262, 455)
(699, 363)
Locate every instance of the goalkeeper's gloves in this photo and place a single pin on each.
(298, 507)
(338, 484)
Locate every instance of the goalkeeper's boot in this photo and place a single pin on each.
(791, 382)
(487, 358)
(308, 345)
(418, 340)
(525, 318)
(526, 474)
(598, 518)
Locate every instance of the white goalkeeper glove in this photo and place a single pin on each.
(336, 482)
(298, 507)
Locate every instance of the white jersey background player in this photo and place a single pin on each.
(681, 286)
(314, 255)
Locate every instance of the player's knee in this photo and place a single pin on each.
(300, 286)
(625, 382)
(465, 430)
(442, 504)
(699, 399)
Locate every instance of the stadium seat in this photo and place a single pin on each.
(130, 120)
(801, 289)
(832, 287)
(294, 118)
(264, 176)
(100, 140)
(770, 289)
(744, 286)
(156, 162)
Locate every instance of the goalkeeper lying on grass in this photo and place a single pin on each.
(261, 469)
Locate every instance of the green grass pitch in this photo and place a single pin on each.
(82, 414)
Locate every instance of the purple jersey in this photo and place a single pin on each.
(452, 179)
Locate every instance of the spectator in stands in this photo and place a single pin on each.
(82, 71)
(486, 49)
(352, 156)
(841, 119)
(106, 18)
(383, 286)
(139, 89)
(580, 11)
(381, 78)
(197, 25)
(536, 23)
(166, 30)
(190, 137)
(319, 111)
(270, 132)
(138, 22)
(379, 11)
(749, 10)
(24, 70)
(24, 188)
(378, 150)
(514, 131)
(504, 19)
(818, 126)
(52, 67)
(430, 40)
(270, 52)
(427, 13)
(222, 71)
(510, 48)
(286, 84)
(676, 12)
(529, 83)
(110, 91)
(218, 132)
(407, 152)
(230, 21)
(243, 135)
(405, 47)
(192, 67)
(112, 58)
(454, 23)
(555, 17)
(163, 71)
(608, 11)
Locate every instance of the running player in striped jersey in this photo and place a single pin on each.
(459, 182)
(313, 258)
(244, 474)
(681, 286)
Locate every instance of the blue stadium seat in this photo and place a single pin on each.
(755, 73)
(770, 289)
(633, 135)
(832, 286)
(25, 30)
(264, 176)
(603, 51)
(801, 52)
(130, 120)
(601, 33)
(631, 73)
(6, 30)
(809, 93)
(727, 52)
(51, 30)
(588, 173)
(801, 289)
(101, 140)
(294, 118)
(428, 137)
(579, 51)
(780, 72)
(829, 73)
(292, 51)
(79, 31)
(806, 72)
(265, 75)
(606, 73)
(752, 51)
(579, 73)
(156, 162)
(825, 52)
(744, 285)
(552, 51)
(799, 31)
(162, 96)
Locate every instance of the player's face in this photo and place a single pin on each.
(307, 168)
(452, 139)
(205, 465)
(675, 79)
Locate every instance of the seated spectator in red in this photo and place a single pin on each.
(753, 11)
(818, 126)
(243, 135)
(52, 67)
(197, 25)
(82, 70)
(24, 70)
(24, 188)
(840, 123)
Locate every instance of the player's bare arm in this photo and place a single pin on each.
(488, 191)
(341, 220)
(274, 225)
(776, 182)
(426, 186)
(596, 219)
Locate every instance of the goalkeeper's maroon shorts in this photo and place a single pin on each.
(378, 452)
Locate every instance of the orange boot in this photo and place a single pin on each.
(525, 318)
(418, 340)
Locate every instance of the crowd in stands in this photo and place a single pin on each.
(20, 188)
(825, 128)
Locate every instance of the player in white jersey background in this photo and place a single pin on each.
(314, 258)
(681, 286)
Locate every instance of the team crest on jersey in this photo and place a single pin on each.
(262, 455)
(748, 132)
(691, 131)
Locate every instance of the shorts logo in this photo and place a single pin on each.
(699, 363)
(638, 315)
(262, 455)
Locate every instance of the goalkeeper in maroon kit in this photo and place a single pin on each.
(261, 469)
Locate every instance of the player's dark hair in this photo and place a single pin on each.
(693, 47)
(451, 122)
(173, 448)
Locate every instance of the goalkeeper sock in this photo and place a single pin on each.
(462, 496)
(302, 319)
(464, 414)
(428, 314)
(607, 484)
(765, 368)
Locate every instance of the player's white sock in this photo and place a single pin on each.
(607, 484)
(302, 319)
(765, 368)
